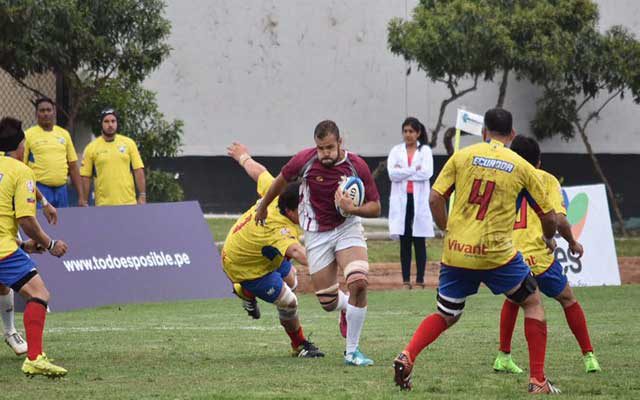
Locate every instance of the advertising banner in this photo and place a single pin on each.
(132, 254)
(588, 214)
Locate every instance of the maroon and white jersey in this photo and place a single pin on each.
(317, 209)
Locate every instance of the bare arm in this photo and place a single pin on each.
(276, 188)
(240, 153)
(32, 228)
(549, 226)
(298, 253)
(564, 228)
(74, 172)
(370, 209)
(141, 184)
(49, 211)
(86, 188)
(438, 204)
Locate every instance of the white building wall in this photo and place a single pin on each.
(265, 72)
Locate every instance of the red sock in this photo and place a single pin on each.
(297, 337)
(508, 318)
(536, 333)
(578, 324)
(428, 331)
(248, 294)
(34, 316)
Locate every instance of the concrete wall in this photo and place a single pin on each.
(265, 72)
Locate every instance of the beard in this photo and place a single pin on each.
(329, 162)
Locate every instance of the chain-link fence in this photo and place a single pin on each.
(17, 101)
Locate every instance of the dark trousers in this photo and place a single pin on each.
(405, 247)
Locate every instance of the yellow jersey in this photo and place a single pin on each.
(17, 200)
(49, 153)
(111, 164)
(487, 178)
(242, 258)
(527, 231)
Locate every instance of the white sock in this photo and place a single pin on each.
(355, 321)
(343, 300)
(6, 308)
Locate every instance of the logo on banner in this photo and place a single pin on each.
(577, 211)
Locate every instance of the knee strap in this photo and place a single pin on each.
(328, 297)
(527, 287)
(357, 270)
(450, 306)
(287, 304)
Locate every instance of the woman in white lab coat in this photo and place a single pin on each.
(410, 166)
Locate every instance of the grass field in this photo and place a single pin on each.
(388, 251)
(211, 349)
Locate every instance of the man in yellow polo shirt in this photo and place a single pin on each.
(114, 161)
(49, 151)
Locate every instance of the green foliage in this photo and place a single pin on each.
(603, 64)
(87, 42)
(163, 187)
(466, 38)
(450, 39)
(555, 113)
(95, 37)
(454, 40)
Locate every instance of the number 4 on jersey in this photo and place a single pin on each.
(482, 199)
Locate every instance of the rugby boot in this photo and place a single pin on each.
(546, 387)
(357, 359)
(16, 342)
(42, 366)
(403, 368)
(307, 350)
(591, 363)
(504, 363)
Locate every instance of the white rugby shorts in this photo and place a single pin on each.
(322, 246)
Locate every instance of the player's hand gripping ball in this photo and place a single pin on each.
(353, 188)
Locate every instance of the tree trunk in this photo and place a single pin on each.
(503, 88)
(600, 172)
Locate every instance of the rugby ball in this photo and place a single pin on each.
(353, 187)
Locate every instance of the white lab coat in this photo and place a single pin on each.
(400, 173)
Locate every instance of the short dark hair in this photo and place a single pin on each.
(41, 100)
(325, 128)
(11, 134)
(288, 200)
(498, 120)
(526, 148)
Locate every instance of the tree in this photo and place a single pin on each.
(86, 42)
(603, 67)
(456, 40)
(140, 119)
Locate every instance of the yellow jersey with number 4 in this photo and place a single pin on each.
(527, 231)
(112, 163)
(487, 178)
(243, 254)
(17, 200)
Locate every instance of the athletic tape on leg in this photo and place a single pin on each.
(356, 271)
(328, 297)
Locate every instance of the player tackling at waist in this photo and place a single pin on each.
(257, 258)
(332, 240)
